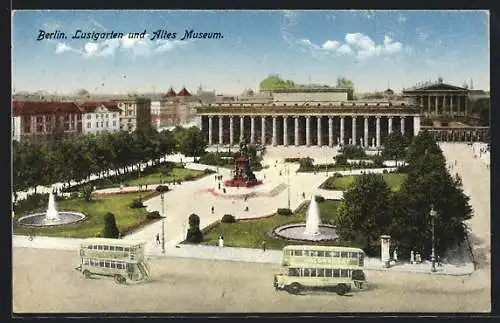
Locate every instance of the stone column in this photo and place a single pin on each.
(318, 125)
(221, 137)
(231, 132)
(429, 104)
(402, 121)
(365, 140)
(308, 132)
(416, 125)
(296, 120)
(377, 130)
(210, 130)
(252, 130)
(389, 124)
(451, 104)
(263, 130)
(436, 109)
(330, 131)
(285, 131)
(465, 105)
(242, 128)
(341, 130)
(274, 131)
(354, 131)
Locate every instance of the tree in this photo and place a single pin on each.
(347, 84)
(273, 81)
(87, 192)
(421, 144)
(194, 234)
(364, 215)
(110, 228)
(394, 146)
(191, 142)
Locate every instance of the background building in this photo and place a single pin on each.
(135, 113)
(174, 109)
(99, 117)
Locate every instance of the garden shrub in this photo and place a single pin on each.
(162, 188)
(136, 204)
(194, 234)
(110, 228)
(341, 160)
(228, 218)
(194, 220)
(319, 198)
(153, 215)
(337, 175)
(189, 178)
(208, 171)
(284, 211)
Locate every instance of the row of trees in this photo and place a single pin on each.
(370, 209)
(67, 159)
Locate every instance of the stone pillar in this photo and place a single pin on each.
(465, 106)
(285, 131)
(221, 137)
(402, 121)
(451, 104)
(341, 130)
(242, 128)
(389, 125)
(318, 126)
(330, 131)
(275, 142)
(354, 131)
(296, 120)
(365, 140)
(210, 130)
(436, 108)
(252, 130)
(416, 125)
(308, 128)
(377, 130)
(429, 104)
(263, 130)
(231, 132)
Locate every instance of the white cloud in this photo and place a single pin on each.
(62, 47)
(344, 49)
(91, 49)
(329, 44)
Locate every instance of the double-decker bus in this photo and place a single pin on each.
(121, 259)
(336, 269)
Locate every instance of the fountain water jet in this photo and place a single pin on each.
(51, 217)
(311, 230)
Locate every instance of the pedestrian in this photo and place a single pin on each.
(219, 186)
(213, 209)
(221, 241)
(215, 177)
(246, 208)
(263, 246)
(158, 239)
(395, 255)
(224, 190)
(246, 198)
(146, 187)
(412, 257)
(303, 195)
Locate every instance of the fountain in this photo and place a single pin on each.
(51, 217)
(311, 230)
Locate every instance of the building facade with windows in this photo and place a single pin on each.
(135, 113)
(43, 119)
(100, 117)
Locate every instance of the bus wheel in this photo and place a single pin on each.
(119, 279)
(342, 289)
(294, 288)
(86, 273)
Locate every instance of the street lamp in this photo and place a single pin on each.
(288, 181)
(162, 220)
(433, 254)
(140, 183)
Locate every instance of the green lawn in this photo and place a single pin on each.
(394, 180)
(94, 211)
(251, 234)
(175, 174)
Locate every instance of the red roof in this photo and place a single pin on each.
(91, 106)
(183, 92)
(20, 108)
(170, 93)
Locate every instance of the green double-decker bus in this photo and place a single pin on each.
(121, 259)
(338, 269)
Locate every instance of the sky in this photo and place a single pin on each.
(374, 49)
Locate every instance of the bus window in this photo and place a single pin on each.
(105, 248)
(314, 272)
(293, 272)
(111, 248)
(343, 255)
(113, 265)
(107, 264)
(344, 273)
(126, 249)
(101, 263)
(307, 272)
(119, 248)
(336, 273)
(361, 259)
(321, 254)
(320, 272)
(99, 247)
(314, 253)
(328, 273)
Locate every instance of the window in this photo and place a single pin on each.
(66, 126)
(89, 116)
(293, 272)
(119, 248)
(107, 116)
(113, 265)
(102, 124)
(320, 272)
(105, 248)
(126, 249)
(99, 247)
(321, 254)
(107, 264)
(39, 119)
(336, 273)
(101, 263)
(39, 128)
(328, 273)
(66, 118)
(112, 248)
(307, 272)
(114, 123)
(344, 273)
(314, 272)
(343, 255)
(107, 124)
(89, 125)
(114, 115)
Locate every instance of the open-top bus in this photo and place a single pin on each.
(332, 268)
(328, 255)
(121, 259)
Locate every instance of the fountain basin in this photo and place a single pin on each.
(41, 220)
(297, 232)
